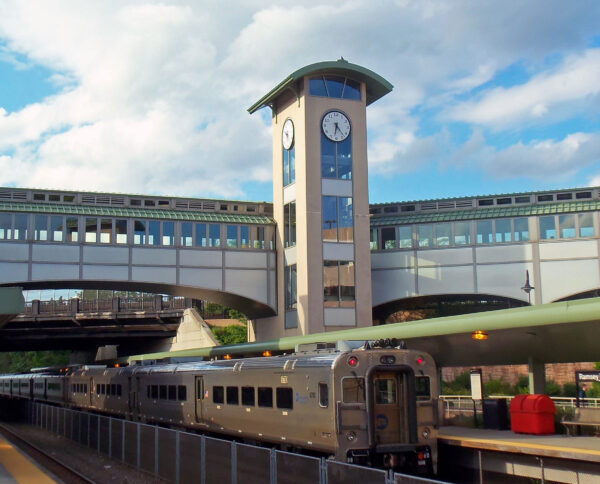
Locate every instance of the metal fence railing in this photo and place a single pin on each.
(182, 457)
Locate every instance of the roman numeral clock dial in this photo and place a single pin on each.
(336, 126)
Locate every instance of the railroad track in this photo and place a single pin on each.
(59, 469)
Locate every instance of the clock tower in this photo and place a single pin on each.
(321, 199)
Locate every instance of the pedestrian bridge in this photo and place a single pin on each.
(220, 251)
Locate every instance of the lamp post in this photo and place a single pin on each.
(527, 287)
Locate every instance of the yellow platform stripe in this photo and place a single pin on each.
(20, 467)
(520, 444)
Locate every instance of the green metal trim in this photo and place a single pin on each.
(130, 212)
(377, 86)
(485, 213)
(586, 310)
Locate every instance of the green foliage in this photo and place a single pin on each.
(593, 390)
(497, 387)
(231, 335)
(569, 390)
(23, 361)
(522, 386)
(235, 314)
(461, 385)
(553, 389)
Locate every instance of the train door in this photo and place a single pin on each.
(199, 397)
(31, 389)
(391, 407)
(91, 391)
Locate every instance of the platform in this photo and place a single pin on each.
(15, 467)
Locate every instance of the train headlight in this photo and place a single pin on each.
(425, 433)
(387, 359)
(351, 436)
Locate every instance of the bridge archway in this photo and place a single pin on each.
(439, 305)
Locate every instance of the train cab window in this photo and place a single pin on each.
(285, 397)
(423, 388)
(181, 393)
(248, 396)
(162, 392)
(218, 395)
(353, 390)
(172, 392)
(265, 397)
(154, 392)
(233, 397)
(385, 391)
(323, 395)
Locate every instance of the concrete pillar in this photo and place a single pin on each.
(537, 376)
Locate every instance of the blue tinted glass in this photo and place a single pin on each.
(186, 234)
(215, 235)
(317, 86)
(292, 154)
(20, 231)
(168, 233)
(232, 236)
(139, 234)
(201, 235)
(346, 219)
(344, 159)
(330, 219)
(335, 85)
(327, 157)
(244, 237)
(154, 233)
(286, 168)
(352, 90)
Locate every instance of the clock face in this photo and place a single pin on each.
(287, 136)
(336, 126)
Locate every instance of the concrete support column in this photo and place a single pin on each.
(537, 376)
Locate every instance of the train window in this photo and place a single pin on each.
(422, 388)
(162, 392)
(323, 395)
(218, 395)
(385, 391)
(285, 397)
(118, 389)
(98, 389)
(73, 388)
(353, 390)
(233, 397)
(248, 396)
(265, 397)
(148, 391)
(113, 389)
(181, 393)
(154, 392)
(172, 392)
(103, 388)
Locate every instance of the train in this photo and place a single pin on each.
(358, 401)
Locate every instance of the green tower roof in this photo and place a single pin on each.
(377, 86)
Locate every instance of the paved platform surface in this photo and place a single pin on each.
(560, 446)
(15, 467)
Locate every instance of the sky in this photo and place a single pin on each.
(151, 97)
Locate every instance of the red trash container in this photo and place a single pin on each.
(532, 414)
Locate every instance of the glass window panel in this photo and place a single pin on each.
(218, 394)
(91, 229)
(56, 228)
(121, 231)
(346, 220)
(153, 232)
(233, 397)
(244, 237)
(323, 395)
(20, 231)
(547, 227)
(72, 229)
(327, 157)
(292, 163)
(5, 226)
(335, 85)
(484, 232)
(425, 235)
(316, 86)
(521, 229)
(286, 168)
(285, 397)
(442, 234)
(347, 284)
(214, 233)
(388, 238)
(139, 232)
(248, 396)
(344, 158)
(41, 227)
(201, 240)
(168, 237)
(289, 224)
(186, 234)
(586, 225)
(462, 233)
(405, 236)
(353, 390)
(330, 283)
(566, 226)
(385, 391)
(232, 236)
(422, 388)
(373, 239)
(503, 230)
(265, 397)
(330, 219)
(259, 237)
(291, 292)
(352, 90)
(106, 231)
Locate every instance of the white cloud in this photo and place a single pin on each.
(152, 96)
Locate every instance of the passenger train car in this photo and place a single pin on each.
(357, 403)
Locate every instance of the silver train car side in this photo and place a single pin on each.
(364, 405)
